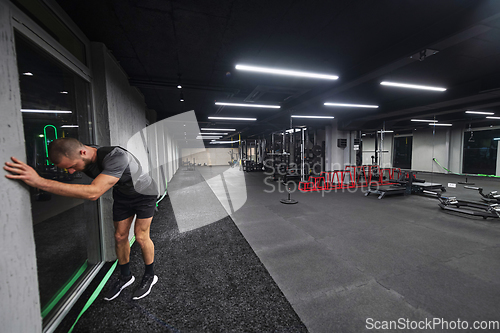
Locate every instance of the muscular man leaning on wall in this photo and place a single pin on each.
(109, 167)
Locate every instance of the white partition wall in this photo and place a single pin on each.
(429, 144)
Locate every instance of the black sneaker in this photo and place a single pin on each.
(116, 288)
(148, 281)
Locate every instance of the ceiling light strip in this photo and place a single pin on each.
(249, 105)
(480, 112)
(207, 137)
(352, 105)
(493, 117)
(218, 129)
(315, 117)
(411, 86)
(232, 118)
(434, 124)
(221, 142)
(213, 133)
(425, 120)
(286, 72)
(44, 111)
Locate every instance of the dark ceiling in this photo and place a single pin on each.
(364, 42)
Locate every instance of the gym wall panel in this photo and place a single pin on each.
(456, 149)
(19, 296)
(368, 150)
(335, 158)
(428, 145)
(387, 147)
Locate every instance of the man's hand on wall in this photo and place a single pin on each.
(23, 172)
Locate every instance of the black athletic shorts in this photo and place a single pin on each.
(124, 206)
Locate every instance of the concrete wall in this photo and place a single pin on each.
(121, 113)
(103, 138)
(211, 156)
(19, 298)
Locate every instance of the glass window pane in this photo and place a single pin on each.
(480, 152)
(55, 103)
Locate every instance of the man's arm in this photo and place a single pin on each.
(24, 172)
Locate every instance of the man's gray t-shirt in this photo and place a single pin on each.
(121, 164)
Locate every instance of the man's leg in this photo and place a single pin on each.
(122, 247)
(142, 231)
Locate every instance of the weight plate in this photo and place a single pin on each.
(317, 150)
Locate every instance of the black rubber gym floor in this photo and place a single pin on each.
(210, 280)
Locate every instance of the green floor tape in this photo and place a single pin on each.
(97, 291)
(464, 174)
(64, 289)
(164, 194)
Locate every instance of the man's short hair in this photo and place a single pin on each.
(68, 147)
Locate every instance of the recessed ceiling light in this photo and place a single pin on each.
(352, 105)
(285, 72)
(316, 117)
(69, 126)
(249, 105)
(63, 92)
(411, 86)
(179, 86)
(218, 129)
(232, 118)
(425, 120)
(434, 124)
(44, 111)
(28, 74)
(480, 112)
